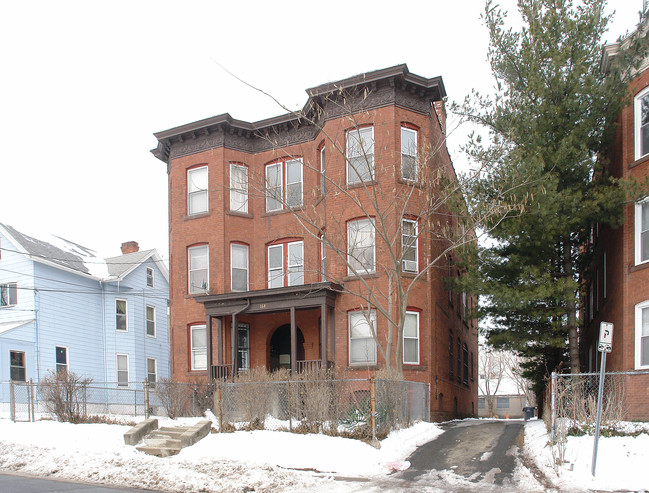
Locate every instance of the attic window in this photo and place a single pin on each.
(149, 277)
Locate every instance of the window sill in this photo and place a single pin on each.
(361, 366)
(362, 184)
(412, 183)
(409, 274)
(239, 214)
(638, 267)
(196, 216)
(189, 296)
(283, 211)
(639, 161)
(414, 367)
(371, 275)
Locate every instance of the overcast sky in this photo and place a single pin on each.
(84, 85)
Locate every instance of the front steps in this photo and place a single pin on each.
(165, 441)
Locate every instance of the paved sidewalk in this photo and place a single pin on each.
(11, 483)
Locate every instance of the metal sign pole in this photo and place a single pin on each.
(600, 393)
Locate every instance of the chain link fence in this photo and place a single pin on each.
(357, 407)
(573, 401)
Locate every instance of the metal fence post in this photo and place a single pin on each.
(218, 405)
(146, 398)
(12, 402)
(31, 383)
(290, 419)
(553, 389)
(373, 408)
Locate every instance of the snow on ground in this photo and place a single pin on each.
(621, 461)
(263, 460)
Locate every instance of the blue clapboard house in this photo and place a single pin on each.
(62, 308)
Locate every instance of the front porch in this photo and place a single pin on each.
(282, 328)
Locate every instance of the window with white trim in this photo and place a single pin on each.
(642, 335)
(411, 338)
(238, 267)
(641, 110)
(323, 259)
(642, 231)
(122, 370)
(283, 185)
(17, 366)
(360, 155)
(238, 188)
(151, 371)
(322, 171)
(198, 268)
(150, 320)
(61, 358)
(8, 294)
(197, 201)
(198, 347)
(286, 264)
(362, 345)
(149, 277)
(361, 248)
(409, 245)
(121, 316)
(408, 154)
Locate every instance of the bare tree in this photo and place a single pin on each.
(497, 370)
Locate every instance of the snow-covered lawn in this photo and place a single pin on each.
(621, 461)
(260, 460)
(269, 461)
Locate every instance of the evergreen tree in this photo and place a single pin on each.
(547, 125)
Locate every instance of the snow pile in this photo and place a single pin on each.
(259, 460)
(621, 461)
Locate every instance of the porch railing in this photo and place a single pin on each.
(221, 372)
(311, 365)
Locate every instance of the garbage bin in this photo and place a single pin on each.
(528, 412)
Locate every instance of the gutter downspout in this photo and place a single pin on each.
(103, 327)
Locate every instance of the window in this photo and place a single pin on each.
(408, 154)
(322, 171)
(642, 231)
(286, 258)
(360, 242)
(360, 155)
(458, 357)
(641, 109)
(120, 315)
(151, 371)
(149, 277)
(197, 258)
(642, 335)
(61, 354)
(238, 188)
(243, 349)
(409, 247)
(198, 341)
(604, 275)
(238, 267)
(122, 370)
(150, 320)
(197, 190)
(450, 353)
(323, 259)
(502, 403)
(465, 361)
(481, 403)
(277, 196)
(362, 346)
(411, 339)
(8, 294)
(17, 366)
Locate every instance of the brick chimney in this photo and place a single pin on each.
(130, 247)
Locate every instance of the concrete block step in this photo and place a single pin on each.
(173, 429)
(162, 442)
(159, 451)
(166, 434)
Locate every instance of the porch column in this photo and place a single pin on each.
(332, 335)
(209, 348)
(234, 343)
(323, 335)
(293, 341)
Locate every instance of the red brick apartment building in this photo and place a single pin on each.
(618, 291)
(277, 235)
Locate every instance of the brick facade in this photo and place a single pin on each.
(620, 282)
(386, 100)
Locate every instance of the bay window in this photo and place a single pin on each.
(286, 264)
(408, 154)
(284, 185)
(409, 245)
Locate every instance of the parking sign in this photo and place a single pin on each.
(605, 337)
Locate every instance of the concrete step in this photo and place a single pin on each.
(162, 442)
(166, 434)
(158, 451)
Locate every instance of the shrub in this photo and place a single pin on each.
(64, 394)
(173, 396)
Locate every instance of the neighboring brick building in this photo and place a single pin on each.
(618, 290)
(241, 258)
